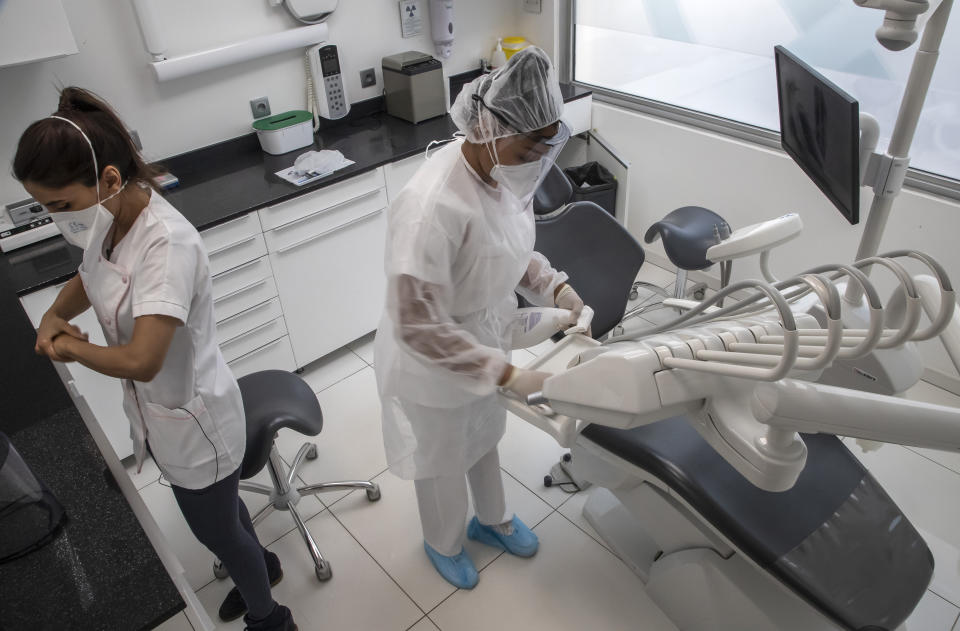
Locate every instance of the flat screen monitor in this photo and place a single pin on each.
(820, 130)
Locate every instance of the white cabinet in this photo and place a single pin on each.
(332, 285)
(33, 30)
(397, 174)
(103, 394)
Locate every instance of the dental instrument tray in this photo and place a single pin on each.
(563, 429)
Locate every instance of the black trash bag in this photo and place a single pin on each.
(30, 516)
(592, 182)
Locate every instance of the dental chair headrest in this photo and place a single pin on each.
(554, 191)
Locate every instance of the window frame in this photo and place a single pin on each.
(917, 179)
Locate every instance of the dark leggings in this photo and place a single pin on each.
(219, 520)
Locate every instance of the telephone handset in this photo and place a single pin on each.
(326, 92)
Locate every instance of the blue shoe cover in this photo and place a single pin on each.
(522, 543)
(458, 570)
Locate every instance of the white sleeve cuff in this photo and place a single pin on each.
(160, 307)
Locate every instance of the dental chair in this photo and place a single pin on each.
(714, 550)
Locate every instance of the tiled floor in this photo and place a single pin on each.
(382, 579)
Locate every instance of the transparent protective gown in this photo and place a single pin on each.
(457, 251)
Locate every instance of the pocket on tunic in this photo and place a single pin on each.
(183, 442)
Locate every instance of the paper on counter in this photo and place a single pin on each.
(291, 174)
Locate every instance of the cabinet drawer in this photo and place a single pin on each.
(236, 253)
(312, 226)
(233, 231)
(248, 320)
(277, 355)
(285, 212)
(252, 340)
(242, 276)
(250, 296)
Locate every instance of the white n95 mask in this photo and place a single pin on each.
(78, 226)
(519, 179)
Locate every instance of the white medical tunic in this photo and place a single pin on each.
(457, 251)
(191, 413)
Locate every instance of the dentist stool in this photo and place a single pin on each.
(273, 400)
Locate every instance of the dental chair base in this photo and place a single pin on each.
(833, 552)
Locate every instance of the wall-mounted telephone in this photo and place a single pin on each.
(326, 89)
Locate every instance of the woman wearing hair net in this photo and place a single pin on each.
(459, 245)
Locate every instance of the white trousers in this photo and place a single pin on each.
(443, 503)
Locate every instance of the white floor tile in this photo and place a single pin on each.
(932, 614)
(350, 447)
(360, 595)
(930, 393)
(197, 561)
(390, 531)
(149, 472)
(332, 368)
(177, 623)
(364, 347)
(527, 454)
(651, 273)
(425, 624)
(572, 509)
(919, 487)
(572, 583)
(956, 625)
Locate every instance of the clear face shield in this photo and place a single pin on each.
(522, 160)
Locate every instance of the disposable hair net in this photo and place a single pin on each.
(521, 96)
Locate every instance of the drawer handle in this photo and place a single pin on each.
(331, 231)
(231, 246)
(241, 290)
(238, 268)
(325, 210)
(250, 332)
(247, 312)
(253, 352)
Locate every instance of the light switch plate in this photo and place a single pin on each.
(532, 6)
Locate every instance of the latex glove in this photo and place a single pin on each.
(525, 382)
(51, 326)
(567, 298)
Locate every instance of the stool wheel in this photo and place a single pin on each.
(548, 480)
(219, 570)
(312, 453)
(567, 457)
(323, 571)
(374, 494)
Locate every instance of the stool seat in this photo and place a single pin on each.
(272, 400)
(687, 234)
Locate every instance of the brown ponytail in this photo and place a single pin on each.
(53, 154)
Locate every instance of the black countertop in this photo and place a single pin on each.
(229, 179)
(100, 571)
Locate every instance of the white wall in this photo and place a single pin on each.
(673, 165)
(184, 114)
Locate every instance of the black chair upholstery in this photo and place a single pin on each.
(835, 537)
(687, 234)
(599, 255)
(554, 191)
(272, 400)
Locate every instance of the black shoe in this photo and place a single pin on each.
(280, 619)
(233, 605)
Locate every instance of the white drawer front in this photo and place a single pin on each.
(309, 203)
(277, 355)
(237, 253)
(250, 296)
(248, 320)
(311, 226)
(252, 340)
(239, 277)
(233, 231)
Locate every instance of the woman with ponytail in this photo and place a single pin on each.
(146, 275)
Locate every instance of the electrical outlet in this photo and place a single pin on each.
(368, 78)
(260, 107)
(532, 6)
